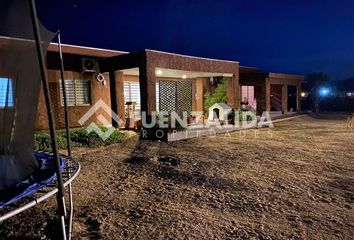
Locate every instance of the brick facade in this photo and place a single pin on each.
(147, 62)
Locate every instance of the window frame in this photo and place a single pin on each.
(12, 100)
(74, 82)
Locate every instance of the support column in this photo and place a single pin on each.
(260, 95)
(233, 92)
(267, 94)
(199, 94)
(298, 97)
(120, 95)
(194, 94)
(147, 88)
(284, 102)
(113, 87)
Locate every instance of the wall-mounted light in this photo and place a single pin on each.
(303, 94)
(184, 76)
(159, 72)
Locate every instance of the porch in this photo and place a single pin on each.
(272, 92)
(167, 82)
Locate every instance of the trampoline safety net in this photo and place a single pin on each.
(20, 83)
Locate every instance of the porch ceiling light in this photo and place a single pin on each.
(159, 72)
(184, 76)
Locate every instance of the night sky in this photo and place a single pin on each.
(281, 36)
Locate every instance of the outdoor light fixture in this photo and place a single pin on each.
(303, 94)
(159, 72)
(184, 76)
(324, 91)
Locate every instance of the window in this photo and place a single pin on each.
(6, 93)
(132, 94)
(248, 93)
(77, 92)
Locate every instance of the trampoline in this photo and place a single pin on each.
(29, 177)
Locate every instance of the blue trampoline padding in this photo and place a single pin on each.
(42, 177)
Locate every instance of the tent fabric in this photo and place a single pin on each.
(20, 83)
(43, 176)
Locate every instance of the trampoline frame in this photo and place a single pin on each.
(71, 171)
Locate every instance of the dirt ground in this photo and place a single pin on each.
(295, 181)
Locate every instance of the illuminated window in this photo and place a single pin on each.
(132, 94)
(6, 93)
(78, 92)
(248, 94)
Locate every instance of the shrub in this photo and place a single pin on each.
(42, 141)
(219, 96)
(78, 137)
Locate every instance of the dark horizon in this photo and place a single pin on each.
(274, 36)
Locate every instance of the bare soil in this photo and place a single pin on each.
(295, 181)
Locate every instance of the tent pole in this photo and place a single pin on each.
(60, 194)
(67, 129)
(66, 114)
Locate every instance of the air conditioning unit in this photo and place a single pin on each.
(89, 65)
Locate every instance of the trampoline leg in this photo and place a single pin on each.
(62, 225)
(71, 212)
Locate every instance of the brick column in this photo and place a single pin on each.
(147, 87)
(120, 94)
(116, 82)
(233, 92)
(298, 97)
(113, 93)
(267, 94)
(284, 102)
(200, 94)
(194, 92)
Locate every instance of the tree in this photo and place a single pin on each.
(313, 82)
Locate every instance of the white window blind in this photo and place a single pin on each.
(132, 94)
(78, 92)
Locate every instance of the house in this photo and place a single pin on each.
(156, 81)
(168, 82)
(271, 92)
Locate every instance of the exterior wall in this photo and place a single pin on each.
(98, 91)
(72, 65)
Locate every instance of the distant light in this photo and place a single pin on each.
(159, 72)
(324, 91)
(349, 94)
(184, 76)
(303, 94)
